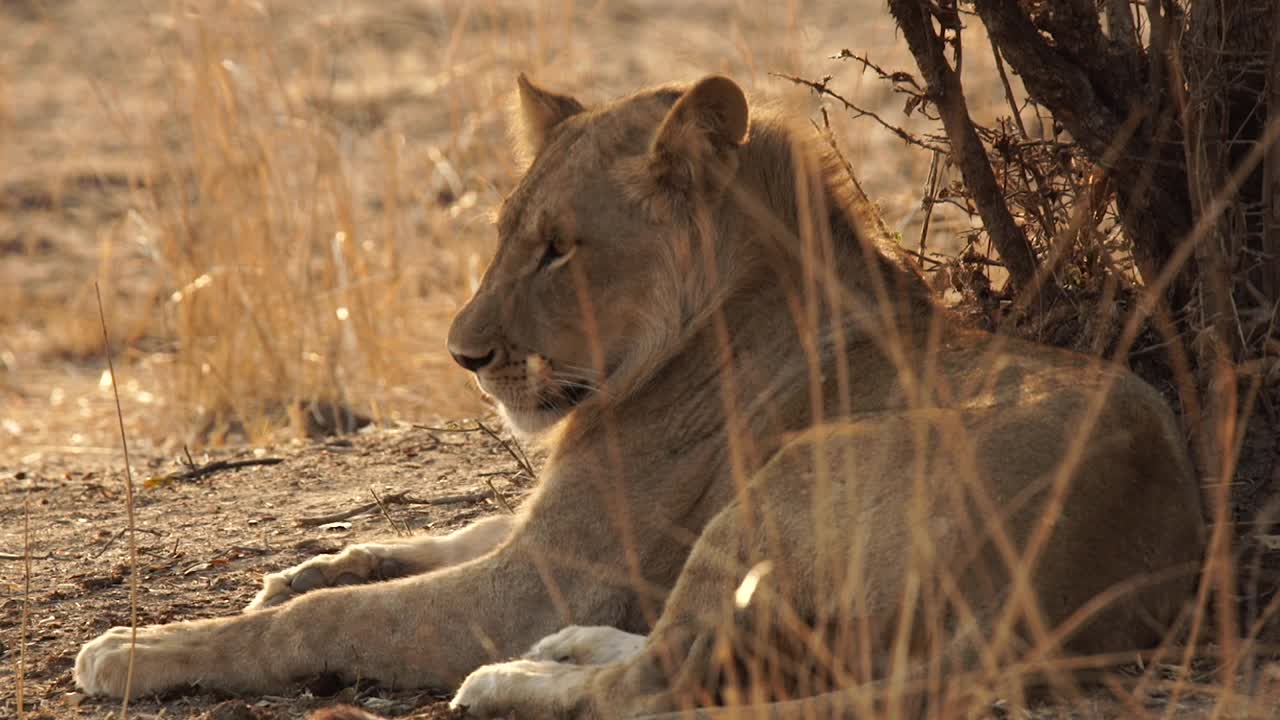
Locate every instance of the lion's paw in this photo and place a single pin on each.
(160, 654)
(524, 689)
(355, 565)
(586, 645)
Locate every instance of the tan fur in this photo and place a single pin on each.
(739, 385)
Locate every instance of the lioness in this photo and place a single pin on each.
(769, 452)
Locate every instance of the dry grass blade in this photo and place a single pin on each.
(20, 671)
(132, 524)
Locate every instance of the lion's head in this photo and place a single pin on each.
(594, 280)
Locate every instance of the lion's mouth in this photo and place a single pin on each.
(566, 399)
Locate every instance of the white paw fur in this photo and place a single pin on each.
(523, 689)
(162, 653)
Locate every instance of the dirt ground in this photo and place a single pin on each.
(204, 543)
(101, 100)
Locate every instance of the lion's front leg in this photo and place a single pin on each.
(675, 666)
(425, 631)
(705, 637)
(371, 562)
(173, 655)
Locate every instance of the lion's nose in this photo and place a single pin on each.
(474, 363)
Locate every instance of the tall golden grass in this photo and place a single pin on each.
(298, 278)
(295, 197)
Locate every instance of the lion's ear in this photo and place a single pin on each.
(537, 112)
(708, 122)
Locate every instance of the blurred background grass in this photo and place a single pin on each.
(285, 202)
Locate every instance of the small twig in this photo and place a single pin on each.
(21, 670)
(460, 429)
(900, 76)
(402, 498)
(513, 477)
(128, 503)
(930, 193)
(248, 550)
(861, 202)
(1008, 89)
(342, 515)
(974, 257)
(382, 506)
(101, 491)
(922, 257)
(116, 536)
(514, 450)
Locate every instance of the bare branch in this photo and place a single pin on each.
(821, 88)
(947, 94)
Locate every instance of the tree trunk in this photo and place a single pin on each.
(1270, 275)
(1114, 101)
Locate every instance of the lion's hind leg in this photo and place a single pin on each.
(374, 561)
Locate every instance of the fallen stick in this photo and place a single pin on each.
(33, 556)
(200, 471)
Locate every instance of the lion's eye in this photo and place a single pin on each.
(555, 254)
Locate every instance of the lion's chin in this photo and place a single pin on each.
(532, 422)
(547, 413)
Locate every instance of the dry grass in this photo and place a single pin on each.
(285, 203)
